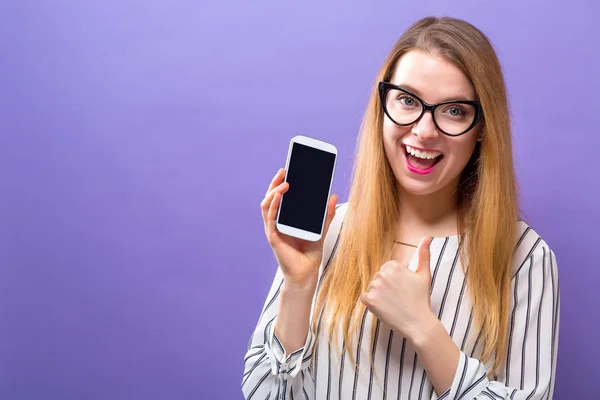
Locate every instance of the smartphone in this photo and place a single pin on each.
(309, 172)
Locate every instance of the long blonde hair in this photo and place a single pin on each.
(488, 209)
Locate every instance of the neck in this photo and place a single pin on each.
(435, 214)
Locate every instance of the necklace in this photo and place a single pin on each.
(406, 244)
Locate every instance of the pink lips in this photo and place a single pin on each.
(417, 170)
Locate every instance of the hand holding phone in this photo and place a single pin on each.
(296, 227)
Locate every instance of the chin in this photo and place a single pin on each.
(419, 189)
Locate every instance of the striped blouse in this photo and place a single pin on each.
(396, 372)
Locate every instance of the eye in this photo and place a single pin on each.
(406, 100)
(455, 111)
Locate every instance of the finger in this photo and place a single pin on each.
(277, 179)
(282, 186)
(331, 208)
(424, 252)
(266, 203)
(385, 268)
(365, 298)
(392, 265)
(272, 215)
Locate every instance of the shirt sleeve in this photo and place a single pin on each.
(268, 371)
(530, 365)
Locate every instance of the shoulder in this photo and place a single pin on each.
(333, 234)
(341, 209)
(338, 220)
(531, 250)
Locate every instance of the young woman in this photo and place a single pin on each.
(426, 285)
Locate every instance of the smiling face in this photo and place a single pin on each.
(425, 160)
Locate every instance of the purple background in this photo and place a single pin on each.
(137, 139)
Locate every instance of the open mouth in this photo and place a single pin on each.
(421, 161)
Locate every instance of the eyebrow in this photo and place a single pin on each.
(415, 91)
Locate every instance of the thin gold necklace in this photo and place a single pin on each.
(406, 244)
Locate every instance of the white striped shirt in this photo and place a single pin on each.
(396, 373)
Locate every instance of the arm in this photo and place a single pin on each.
(268, 371)
(281, 347)
(438, 353)
(533, 332)
(268, 368)
(293, 320)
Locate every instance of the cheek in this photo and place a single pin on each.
(389, 131)
(392, 133)
(389, 139)
(462, 151)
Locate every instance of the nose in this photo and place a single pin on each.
(424, 128)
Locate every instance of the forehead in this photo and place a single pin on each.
(433, 78)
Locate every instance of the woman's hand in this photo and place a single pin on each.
(298, 259)
(401, 298)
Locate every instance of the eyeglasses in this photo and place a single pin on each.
(452, 118)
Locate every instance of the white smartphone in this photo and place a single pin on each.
(309, 172)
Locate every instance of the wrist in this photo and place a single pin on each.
(299, 287)
(426, 332)
(297, 293)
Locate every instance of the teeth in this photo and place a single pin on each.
(428, 155)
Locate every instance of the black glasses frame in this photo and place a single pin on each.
(385, 87)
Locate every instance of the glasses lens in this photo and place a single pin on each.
(403, 108)
(454, 118)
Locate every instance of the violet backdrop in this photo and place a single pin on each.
(137, 139)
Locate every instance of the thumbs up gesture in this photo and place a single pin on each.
(400, 297)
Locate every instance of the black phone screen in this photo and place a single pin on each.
(309, 174)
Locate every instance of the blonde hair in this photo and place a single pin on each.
(488, 209)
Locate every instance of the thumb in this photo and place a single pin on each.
(423, 267)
